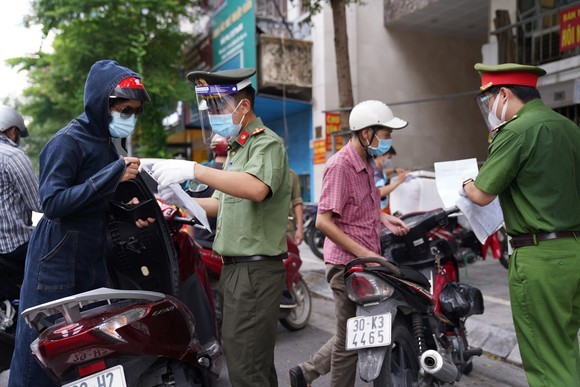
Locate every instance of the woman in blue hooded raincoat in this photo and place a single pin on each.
(80, 169)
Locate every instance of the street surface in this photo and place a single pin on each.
(295, 347)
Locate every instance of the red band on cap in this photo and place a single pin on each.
(130, 83)
(510, 78)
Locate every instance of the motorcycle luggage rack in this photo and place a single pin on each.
(70, 307)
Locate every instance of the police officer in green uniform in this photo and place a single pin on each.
(251, 202)
(534, 167)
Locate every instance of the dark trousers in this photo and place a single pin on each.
(12, 271)
(251, 302)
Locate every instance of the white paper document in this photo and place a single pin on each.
(449, 177)
(485, 220)
(184, 201)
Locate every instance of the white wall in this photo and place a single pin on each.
(398, 66)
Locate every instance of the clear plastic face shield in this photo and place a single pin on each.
(488, 103)
(216, 104)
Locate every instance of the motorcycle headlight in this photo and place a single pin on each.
(363, 288)
(110, 325)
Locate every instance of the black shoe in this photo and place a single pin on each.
(297, 377)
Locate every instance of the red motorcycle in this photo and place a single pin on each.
(409, 328)
(156, 328)
(295, 305)
(467, 247)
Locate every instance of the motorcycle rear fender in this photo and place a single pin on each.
(370, 360)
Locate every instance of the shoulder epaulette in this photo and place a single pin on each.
(500, 126)
(258, 131)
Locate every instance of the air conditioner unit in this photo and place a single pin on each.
(565, 93)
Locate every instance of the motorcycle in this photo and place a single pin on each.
(467, 247)
(296, 303)
(405, 334)
(148, 331)
(313, 236)
(10, 278)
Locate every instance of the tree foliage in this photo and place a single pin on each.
(143, 35)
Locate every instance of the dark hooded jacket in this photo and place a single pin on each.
(79, 172)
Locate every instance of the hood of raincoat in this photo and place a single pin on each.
(102, 79)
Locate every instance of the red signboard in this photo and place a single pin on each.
(570, 28)
(319, 151)
(332, 125)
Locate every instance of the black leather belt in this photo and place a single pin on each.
(229, 260)
(533, 239)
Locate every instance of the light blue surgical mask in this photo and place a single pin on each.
(122, 127)
(223, 124)
(381, 149)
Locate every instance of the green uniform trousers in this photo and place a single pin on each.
(544, 283)
(251, 295)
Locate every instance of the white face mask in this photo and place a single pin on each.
(494, 122)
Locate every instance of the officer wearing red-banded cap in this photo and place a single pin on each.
(251, 202)
(534, 167)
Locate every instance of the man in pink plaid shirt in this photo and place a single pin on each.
(349, 215)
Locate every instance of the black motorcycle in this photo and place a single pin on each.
(313, 236)
(406, 334)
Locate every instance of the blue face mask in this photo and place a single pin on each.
(384, 146)
(122, 127)
(223, 124)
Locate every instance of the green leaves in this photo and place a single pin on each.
(143, 35)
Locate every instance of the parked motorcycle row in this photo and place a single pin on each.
(409, 329)
(158, 324)
(462, 239)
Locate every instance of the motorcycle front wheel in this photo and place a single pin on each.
(300, 315)
(315, 239)
(401, 364)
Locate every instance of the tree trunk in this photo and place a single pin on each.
(345, 98)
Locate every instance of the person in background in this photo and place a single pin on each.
(349, 215)
(251, 202)
(80, 169)
(533, 165)
(18, 198)
(296, 216)
(383, 171)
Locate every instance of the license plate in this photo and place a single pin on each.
(368, 331)
(111, 377)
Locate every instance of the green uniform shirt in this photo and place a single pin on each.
(534, 166)
(245, 227)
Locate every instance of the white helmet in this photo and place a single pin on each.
(11, 118)
(373, 113)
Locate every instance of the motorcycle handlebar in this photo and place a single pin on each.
(188, 221)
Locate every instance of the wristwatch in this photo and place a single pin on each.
(467, 181)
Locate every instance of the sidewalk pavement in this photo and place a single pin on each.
(493, 330)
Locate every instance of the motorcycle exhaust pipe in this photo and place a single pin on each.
(433, 363)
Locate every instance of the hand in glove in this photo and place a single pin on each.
(173, 171)
(167, 195)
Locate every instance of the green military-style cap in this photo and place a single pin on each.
(225, 77)
(508, 74)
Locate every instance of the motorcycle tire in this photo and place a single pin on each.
(299, 317)
(401, 363)
(315, 239)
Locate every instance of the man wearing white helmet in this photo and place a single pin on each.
(349, 215)
(18, 198)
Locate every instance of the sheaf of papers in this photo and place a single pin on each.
(484, 220)
(186, 202)
(449, 177)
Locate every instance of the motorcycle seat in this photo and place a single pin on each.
(413, 275)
